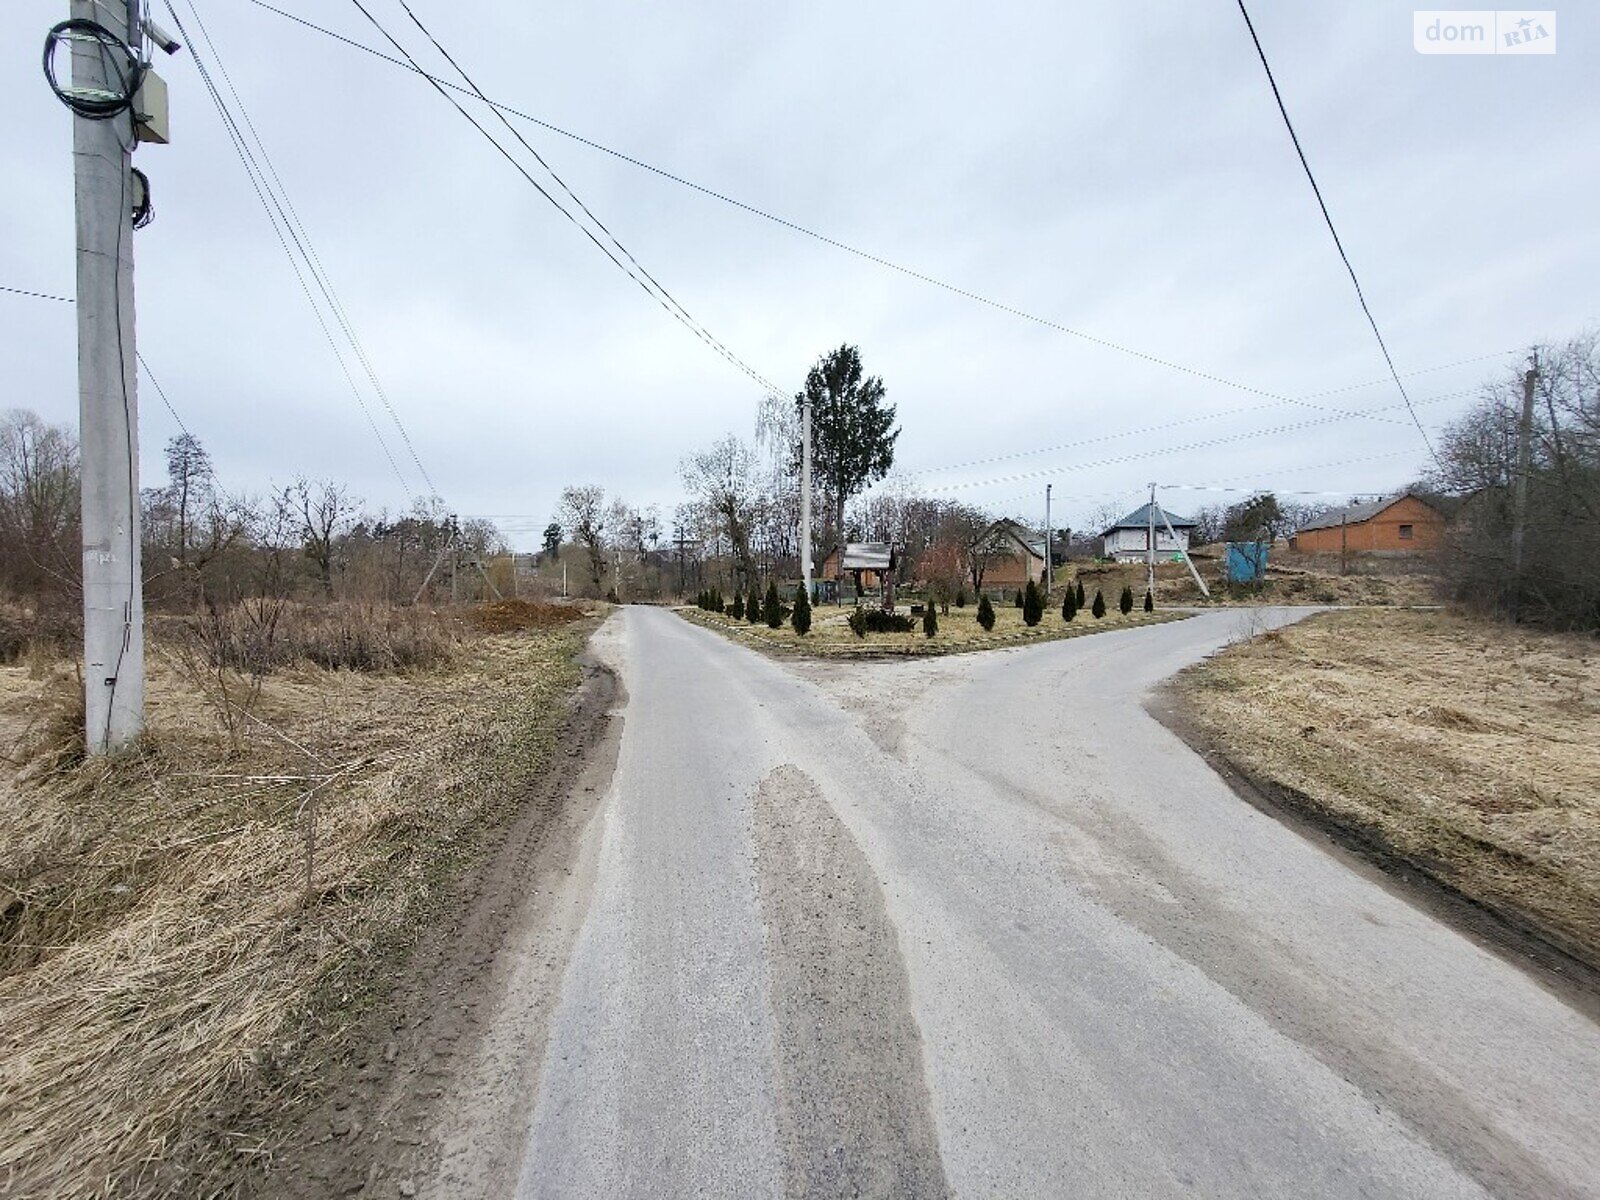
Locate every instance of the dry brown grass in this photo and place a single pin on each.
(1471, 750)
(178, 923)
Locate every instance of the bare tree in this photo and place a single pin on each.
(326, 509)
(1558, 582)
(722, 480)
(582, 513)
(38, 503)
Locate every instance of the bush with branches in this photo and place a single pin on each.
(985, 613)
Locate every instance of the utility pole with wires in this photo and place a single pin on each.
(1049, 575)
(117, 101)
(805, 495)
(1519, 485)
(1150, 543)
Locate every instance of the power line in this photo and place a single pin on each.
(36, 295)
(1033, 452)
(660, 295)
(275, 214)
(410, 64)
(1046, 472)
(1328, 219)
(304, 238)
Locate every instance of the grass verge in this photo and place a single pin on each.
(959, 632)
(187, 929)
(1461, 750)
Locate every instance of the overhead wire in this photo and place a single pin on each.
(275, 214)
(1328, 220)
(660, 295)
(501, 108)
(304, 239)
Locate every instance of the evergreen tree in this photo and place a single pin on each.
(801, 617)
(1099, 609)
(1069, 605)
(752, 608)
(858, 621)
(1125, 601)
(736, 611)
(985, 613)
(1149, 601)
(1019, 598)
(1077, 601)
(1032, 605)
(930, 621)
(961, 597)
(772, 610)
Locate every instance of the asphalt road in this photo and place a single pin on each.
(979, 926)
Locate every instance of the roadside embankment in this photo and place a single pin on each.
(189, 929)
(1461, 751)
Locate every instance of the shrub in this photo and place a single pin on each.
(1032, 605)
(736, 609)
(1019, 599)
(1125, 601)
(1149, 601)
(879, 621)
(752, 609)
(1069, 605)
(985, 613)
(612, 597)
(858, 621)
(801, 617)
(961, 597)
(930, 622)
(1099, 609)
(1077, 598)
(772, 610)
(716, 600)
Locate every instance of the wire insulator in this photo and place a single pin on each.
(95, 104)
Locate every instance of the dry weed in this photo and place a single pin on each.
(177, 921)
(1467, 746)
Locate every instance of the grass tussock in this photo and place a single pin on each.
(1467, 748)
(262, 636)
(183, 926)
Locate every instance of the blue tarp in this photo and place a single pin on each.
(1246, 561)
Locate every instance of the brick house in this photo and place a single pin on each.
(1399, 524)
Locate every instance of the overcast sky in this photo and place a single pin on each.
(1118, 169)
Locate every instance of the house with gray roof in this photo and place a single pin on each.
(1128, 540)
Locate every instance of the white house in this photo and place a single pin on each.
(1128, 539)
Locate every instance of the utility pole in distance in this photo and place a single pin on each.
(1150, 543)
(1049, 575)
(1519, 485)
(105, 45)
(805, 495)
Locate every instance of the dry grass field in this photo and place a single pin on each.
(186, 923)
(959, 631)
(1469, 751)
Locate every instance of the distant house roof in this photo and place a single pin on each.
(1143, 518)
(1354, 514)
(1024, 537)
(867, 556)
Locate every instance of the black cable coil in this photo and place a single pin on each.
(94, 104)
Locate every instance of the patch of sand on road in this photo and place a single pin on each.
(853, 1108)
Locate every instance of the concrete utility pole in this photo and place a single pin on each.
(1150, 543)
(1049, 575)
(805, 495)
(108, 403)
(1519, 485)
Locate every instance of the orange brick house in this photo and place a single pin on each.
(1400, 524)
